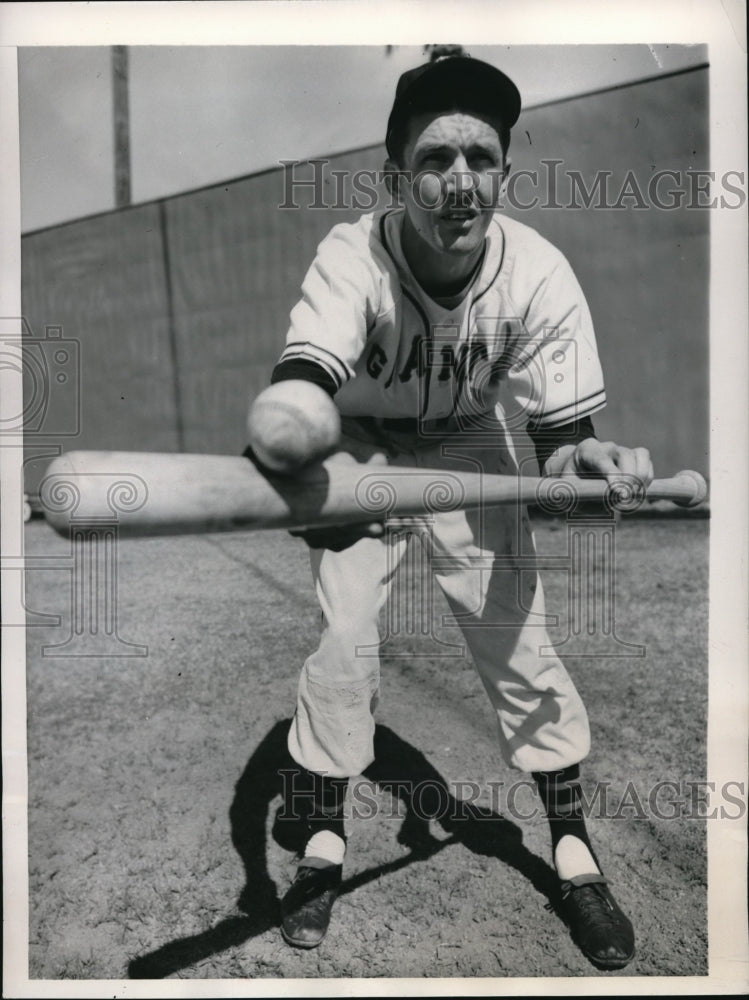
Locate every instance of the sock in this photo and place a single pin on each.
(571, 847)
(327, 845)
(325, 822)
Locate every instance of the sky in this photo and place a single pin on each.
(203, 114)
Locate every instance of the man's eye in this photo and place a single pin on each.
(435, 159)
(483, 161)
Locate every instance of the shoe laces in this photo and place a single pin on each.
(313, 882)
(592, 903)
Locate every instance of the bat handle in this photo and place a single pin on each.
(686, 489)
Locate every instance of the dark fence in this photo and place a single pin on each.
(179, 307)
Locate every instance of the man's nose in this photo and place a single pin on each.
(460, 178)
(458, 169)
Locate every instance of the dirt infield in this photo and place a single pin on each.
(154, 845)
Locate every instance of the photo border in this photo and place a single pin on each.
(343, 22)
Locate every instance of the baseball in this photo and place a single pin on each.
(293, 423)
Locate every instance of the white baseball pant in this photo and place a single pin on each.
(543, 724)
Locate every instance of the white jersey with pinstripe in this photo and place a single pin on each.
(520, 339)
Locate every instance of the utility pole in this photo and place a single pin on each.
(121, 109)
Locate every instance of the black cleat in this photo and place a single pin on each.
(306, 907)
(598, 927)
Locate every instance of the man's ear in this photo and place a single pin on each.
(505, 180)
(393, 177)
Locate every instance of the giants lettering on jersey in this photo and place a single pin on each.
(454, 372)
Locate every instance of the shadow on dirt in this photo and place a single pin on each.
(400, 769)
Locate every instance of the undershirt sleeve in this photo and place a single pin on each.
(307, 371)
(546, 440)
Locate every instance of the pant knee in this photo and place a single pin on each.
(347, 656)
(333, 727)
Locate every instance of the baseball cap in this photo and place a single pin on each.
(453, 82)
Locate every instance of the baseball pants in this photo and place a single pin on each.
(484, 563)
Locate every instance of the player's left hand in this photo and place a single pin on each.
(601, 458)
(339, 537)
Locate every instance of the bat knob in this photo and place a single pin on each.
(696, 486)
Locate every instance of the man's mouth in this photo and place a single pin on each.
(459, 214)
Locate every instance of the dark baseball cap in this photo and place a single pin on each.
(453, 83)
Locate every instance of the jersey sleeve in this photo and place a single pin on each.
(553, 369)
(329, 324)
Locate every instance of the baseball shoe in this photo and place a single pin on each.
(306, 907)
(599, 928)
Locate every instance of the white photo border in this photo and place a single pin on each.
(718, 24)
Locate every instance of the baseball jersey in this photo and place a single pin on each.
(519, 341)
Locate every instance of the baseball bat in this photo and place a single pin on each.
(147, 493)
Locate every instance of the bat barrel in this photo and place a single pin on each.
(157, 494)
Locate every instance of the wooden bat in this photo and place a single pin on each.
(146, 493)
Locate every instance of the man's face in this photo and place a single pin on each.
(455, 177)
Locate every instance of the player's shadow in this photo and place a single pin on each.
(400, 769)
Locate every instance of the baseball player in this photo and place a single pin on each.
(439, 327)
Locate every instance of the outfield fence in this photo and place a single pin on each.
(172, 313)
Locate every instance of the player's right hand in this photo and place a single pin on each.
(606, 459)
(339, 537)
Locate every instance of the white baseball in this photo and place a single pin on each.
(293, 423)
